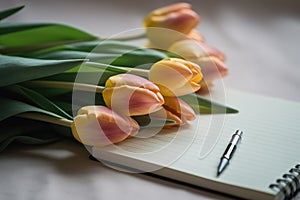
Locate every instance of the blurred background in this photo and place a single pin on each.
(261, 40)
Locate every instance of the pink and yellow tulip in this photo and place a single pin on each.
(207, 57)
(100, 126)
(132, 95)
(168, 24)
(175, 77)
(179, 17)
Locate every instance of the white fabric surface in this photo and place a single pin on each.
(260, 39)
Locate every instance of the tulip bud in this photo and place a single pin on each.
(176, 77)
(178, 17)
(176, 110)
(166, 25)
(100, 126)
(132, 95)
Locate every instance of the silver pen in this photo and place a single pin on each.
(229, 151)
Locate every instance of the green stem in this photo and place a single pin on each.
(127, 38)
(47, 118)
(66, 85)
(135, 71)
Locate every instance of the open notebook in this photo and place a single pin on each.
(269, 150)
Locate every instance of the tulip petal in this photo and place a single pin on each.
(164, 113)
(176, 110)
(132, 101)
(179, 108)
(132, 80)
(171, 8)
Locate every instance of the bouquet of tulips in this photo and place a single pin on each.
(58, 81)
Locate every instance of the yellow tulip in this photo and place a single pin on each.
(177, 110)
(207, 57)
(100, 126)
(171, 23)
(132, 95)
(175, 77)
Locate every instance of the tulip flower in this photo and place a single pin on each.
(178, 17)
(176, 110)
(100, 126)
(132, 95)
(175, 77)
(168, 24)
(208, 58)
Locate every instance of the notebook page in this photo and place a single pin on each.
(269, 147)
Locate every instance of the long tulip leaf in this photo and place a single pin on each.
(17, 69)
(15, 35)
(8, 12)
(10, 107)
(107, 51)
(37, 99)
(99, 46)
(205, 106)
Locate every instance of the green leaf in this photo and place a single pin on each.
(140, 58)
(6, 13)
(18, 36)
(12, 27)
(204, 106)
(110, 52)
(17, 69)
(30, 132)
(69, 54)
(99, 46)
(38, 99)
(10, 107)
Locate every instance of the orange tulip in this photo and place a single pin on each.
(176, 110)
(132, 95)
(176, 77)
(168, 24)
(178, 17)
(100, 126)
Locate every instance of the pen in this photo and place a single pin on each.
(229, 151)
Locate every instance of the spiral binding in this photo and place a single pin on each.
(289, 184)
